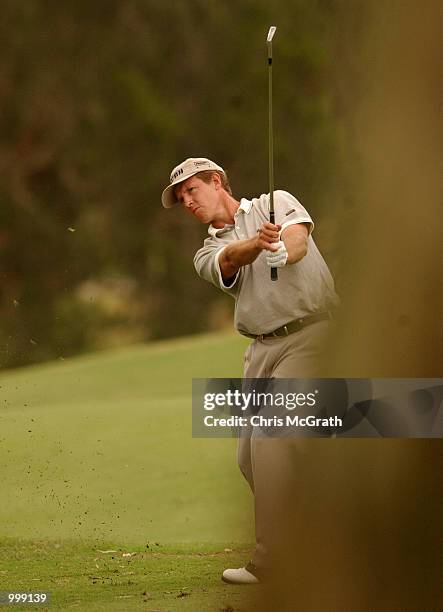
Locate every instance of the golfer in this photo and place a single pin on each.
(287, 319)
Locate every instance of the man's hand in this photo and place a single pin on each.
(244, 252)
(278, 258)
(268, 239)
(267, 236)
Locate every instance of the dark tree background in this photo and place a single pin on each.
(98, 101)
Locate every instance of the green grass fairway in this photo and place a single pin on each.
(92, 577)
(99, 448)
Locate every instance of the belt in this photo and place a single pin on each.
(291, 327)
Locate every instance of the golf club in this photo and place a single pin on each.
(272, 29)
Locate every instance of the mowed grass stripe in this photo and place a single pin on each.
(100, 447)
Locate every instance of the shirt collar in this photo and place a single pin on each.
(245, 207)
(214, 232)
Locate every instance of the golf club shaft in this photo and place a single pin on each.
(272, 29)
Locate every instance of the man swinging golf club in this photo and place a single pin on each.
(287, 319)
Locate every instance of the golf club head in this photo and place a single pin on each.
(271, 33)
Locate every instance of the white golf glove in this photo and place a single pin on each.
(277, 259)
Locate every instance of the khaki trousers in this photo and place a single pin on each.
(268, 464)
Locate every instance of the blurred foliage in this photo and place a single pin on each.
(98, 101)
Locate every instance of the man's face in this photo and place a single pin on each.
(199, 198)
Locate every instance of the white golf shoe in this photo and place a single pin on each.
(239, 576)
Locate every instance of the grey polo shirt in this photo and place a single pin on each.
(261, 305)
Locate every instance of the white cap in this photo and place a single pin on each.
(183, 171)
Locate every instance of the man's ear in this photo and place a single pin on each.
(217, 180)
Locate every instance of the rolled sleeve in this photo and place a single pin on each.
(206, 263)
(289, 211)
(294, 222)
(223, 285)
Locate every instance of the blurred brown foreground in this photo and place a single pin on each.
(356, 525)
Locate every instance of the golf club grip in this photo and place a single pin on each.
(274, 273)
